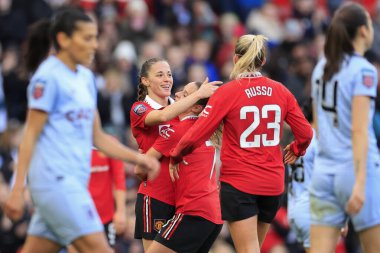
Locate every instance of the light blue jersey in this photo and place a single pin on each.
(298, 195)
(333, 176)
(333, 99)
(60, 165)
(64, 146)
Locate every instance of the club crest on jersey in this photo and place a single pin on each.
(158, 223)
(139, 109)
(368, 78)
(206, 111)
(165, 131)
(38, 90)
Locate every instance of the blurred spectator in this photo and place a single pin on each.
(197, 73)
(200, 54)
(164, 37)
(203, 21)
(176, 58)
(230, 30)
(9, 142)
(138, 25)
(150, 49)
(266, 21)
(113, 102)
(300, 69)
(13, 24)
(3, 109)
(14, 86)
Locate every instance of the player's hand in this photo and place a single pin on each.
(174, 170)
(140, 173)
(119, 222)
(290, 157)
(356, 201)
(344, 230)
(149, 165)
(208, 88)
(14, 206)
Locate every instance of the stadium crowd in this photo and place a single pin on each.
(197, 38)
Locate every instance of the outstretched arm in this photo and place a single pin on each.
(158, 116)
(208, 122)
(115, 149)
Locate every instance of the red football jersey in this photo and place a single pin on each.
(196, 190)
(160, 188)
(253, 110)
(107, 174)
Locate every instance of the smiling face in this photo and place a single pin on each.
(159, 81)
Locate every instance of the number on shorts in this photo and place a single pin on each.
(298, 171)
(258, 138)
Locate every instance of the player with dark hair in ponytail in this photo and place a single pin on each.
(151, 116)
(61, 127)
(346, 176)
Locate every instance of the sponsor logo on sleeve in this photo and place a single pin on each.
(368, 78)
(165, 131)
(139, 109)
(206, 111)
(38, 90)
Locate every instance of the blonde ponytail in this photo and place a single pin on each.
(251, 52)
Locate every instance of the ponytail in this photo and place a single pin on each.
(338, 43)
(37, 46)
(142, 91)
(43, 35)
(342, 31)
(251, 52)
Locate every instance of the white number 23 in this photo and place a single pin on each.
(256, 122)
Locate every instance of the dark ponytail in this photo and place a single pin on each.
(340, 34)
(142, 91)
(43, 34)
(37, 46)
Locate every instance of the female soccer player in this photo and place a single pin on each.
(298, 195)
(62, 126)
(197, 220)
(152, 116)
(253, 109)
(346, 176)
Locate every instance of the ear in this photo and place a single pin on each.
(264, 61)
(145, 81)
(363, 31)
(63, 40)
(197, 109)
(235, 58)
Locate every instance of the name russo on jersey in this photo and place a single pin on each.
(258, 91)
